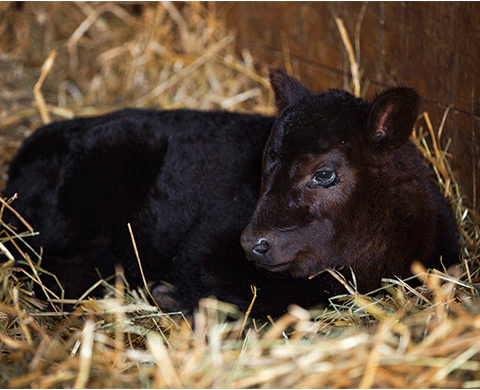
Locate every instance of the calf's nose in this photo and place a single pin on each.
(255, 248)
(261, 247)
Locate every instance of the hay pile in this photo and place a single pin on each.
(109, 56)
(104, 57)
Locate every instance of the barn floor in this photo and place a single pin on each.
(106, 56)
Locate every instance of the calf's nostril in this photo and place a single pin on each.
(261, 247)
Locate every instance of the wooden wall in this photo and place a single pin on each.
(433, 47)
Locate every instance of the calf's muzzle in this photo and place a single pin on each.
(255, 246)
(261, 248)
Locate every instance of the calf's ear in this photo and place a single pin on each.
(392, 116)
(288, 90)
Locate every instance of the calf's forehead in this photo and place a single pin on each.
(318, 123)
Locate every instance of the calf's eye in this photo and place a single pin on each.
(324, 178)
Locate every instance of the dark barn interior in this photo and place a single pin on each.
(60, 60)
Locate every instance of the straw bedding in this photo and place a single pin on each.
(105, 56)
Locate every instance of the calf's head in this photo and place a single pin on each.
(318, 173)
